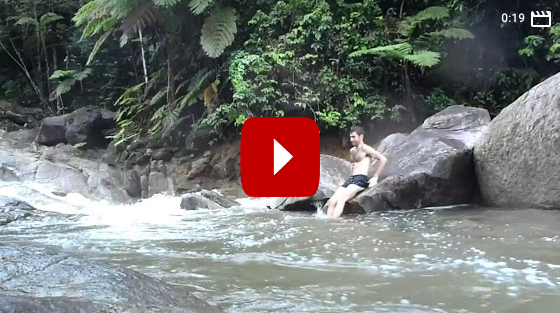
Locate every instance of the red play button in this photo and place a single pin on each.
(280, 157)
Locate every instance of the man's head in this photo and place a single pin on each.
(356, 135)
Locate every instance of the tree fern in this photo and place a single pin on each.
(424, 58)
(455, 33)
(79, 76)
(198, 6)
(166, 3)
(140, 17)
(196, 85)
(431, 13)
(86, 13)
(97, 46)
(27, 21)
(58, 74)
(49, 18)
(396, 50)
(64, 86)
(218, 31)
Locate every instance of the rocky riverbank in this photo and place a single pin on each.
(37, 280)
(434, 165)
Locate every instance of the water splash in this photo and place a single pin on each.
(320, 212)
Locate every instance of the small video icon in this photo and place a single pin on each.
(536, 15)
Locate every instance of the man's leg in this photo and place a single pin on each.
(350, 192)
(333, 200)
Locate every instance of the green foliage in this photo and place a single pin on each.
(198, 6)
(549, 45)
(218, 31)
(438, 100)
(299, 67)
(417, 48)
(222, 62)
(65, 79)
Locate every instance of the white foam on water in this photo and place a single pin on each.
(320, 213)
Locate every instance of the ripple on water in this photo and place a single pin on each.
(252, 259)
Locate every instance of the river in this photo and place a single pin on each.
(252, 259)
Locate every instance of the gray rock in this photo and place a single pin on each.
(518, 158)
(137, 145)
(111, 155)
(193, 201)
(39, 280)
(177, 132)
(199, 140)
(199, 167)
(131, 183)
(391, 141)
(52, 131)
(143, 159)
(89, 125)
(158, 183)
(13, 209)
(164, 154)
(432, 167)
(63, 171)
(218, 198)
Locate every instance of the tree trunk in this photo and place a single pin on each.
(170, 74)
(38, 34)
(143, 57)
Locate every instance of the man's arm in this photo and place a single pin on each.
(382, 162)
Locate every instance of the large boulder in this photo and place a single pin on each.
(88, 125)
(60, 169)
(433, 166)
(52, 131)
(35, 279)
(518, 159)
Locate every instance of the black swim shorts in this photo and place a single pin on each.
(359, 180)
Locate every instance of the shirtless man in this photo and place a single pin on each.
(361, 157)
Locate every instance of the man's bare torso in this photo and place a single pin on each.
(360, 161)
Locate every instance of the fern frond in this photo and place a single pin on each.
(48, 18)
(58, 74)
(197, 84)
(158, 96)
(198, 6)
(455, 33)
(396, 50)
(431, 13)
(97, 46)
(64, 86)
(218, 31)
(86, 13)
(142, 16)
(424, 58)
(79, 76)
(27, 21)
(166, 3)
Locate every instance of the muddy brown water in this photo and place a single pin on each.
(251, 259)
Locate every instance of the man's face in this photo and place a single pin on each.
(355, 139)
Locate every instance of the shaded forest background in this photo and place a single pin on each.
(211, 64)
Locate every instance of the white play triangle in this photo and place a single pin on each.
(281, 156)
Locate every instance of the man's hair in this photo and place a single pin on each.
(358, 129)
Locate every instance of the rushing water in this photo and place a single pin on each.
(251, 259)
